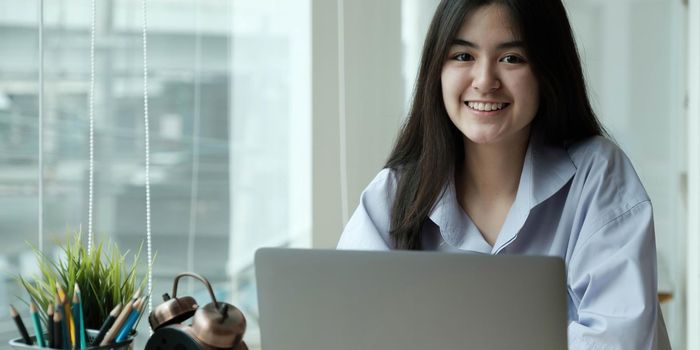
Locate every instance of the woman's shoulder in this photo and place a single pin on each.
(605, 177)
(384, 176)
(382, 188)
(594, 150)
(600, 156)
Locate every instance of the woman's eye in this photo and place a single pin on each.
(463, 57)
(512, 59)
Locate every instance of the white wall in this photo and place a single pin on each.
(357, 104)
(415, 20)
(693, 117)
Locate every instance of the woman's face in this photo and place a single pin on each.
(488, 86)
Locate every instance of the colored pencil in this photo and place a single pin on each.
(38, 331)
(75, 315)
(107, 324)
(130, 321)
(20, 326)
(59, 329)
(78, 319)
(67, 319)
(49, 328)
(83, 338)
(117, 325)
(141, 310)
(65, 339)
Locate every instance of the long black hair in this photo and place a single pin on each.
(429, 145)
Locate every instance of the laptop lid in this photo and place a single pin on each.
(350, 300)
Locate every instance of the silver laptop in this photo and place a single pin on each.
(353, 300)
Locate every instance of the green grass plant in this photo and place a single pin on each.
(105, 278)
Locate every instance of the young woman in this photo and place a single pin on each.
(502, 154)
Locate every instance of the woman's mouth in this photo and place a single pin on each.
(486, 106)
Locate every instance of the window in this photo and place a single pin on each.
(229, 98)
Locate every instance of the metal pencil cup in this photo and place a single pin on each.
(18, 343)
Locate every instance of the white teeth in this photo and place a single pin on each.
(486, 107)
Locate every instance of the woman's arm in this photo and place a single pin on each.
(612, 283)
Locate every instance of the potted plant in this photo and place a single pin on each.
(104, 276)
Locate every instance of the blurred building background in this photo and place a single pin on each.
(228, 98)
(268, 118)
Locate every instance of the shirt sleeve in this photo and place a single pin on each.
(612, 283)
(368, 228)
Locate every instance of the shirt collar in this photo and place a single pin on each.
(545, 171)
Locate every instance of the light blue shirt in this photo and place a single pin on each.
(584, 204)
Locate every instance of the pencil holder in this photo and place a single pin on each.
(18, 343)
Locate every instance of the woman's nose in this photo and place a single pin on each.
(485, 78)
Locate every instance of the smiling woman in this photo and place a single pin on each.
(502, 154)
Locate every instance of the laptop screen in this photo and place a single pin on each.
(343, 300)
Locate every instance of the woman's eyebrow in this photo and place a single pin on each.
(517, 44)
